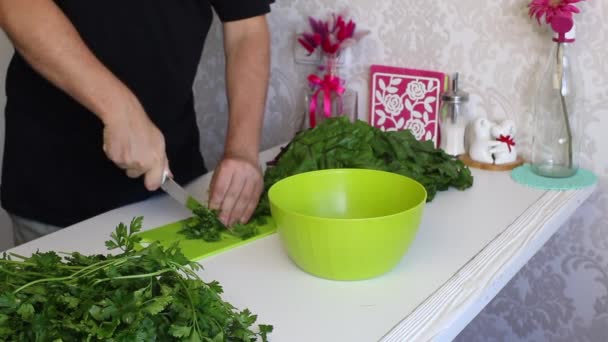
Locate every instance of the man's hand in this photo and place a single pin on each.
(136, 145)
(235, 189)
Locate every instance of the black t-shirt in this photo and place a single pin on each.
(55, 170)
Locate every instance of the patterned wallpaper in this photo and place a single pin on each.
(562, 294)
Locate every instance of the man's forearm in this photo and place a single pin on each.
(247, 45)
(45, 37)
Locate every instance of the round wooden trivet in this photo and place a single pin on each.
(490, 167)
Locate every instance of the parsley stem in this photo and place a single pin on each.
(190, 272)
(99, 266)
(5, 261)
(23, 263)
(13, 274)
(71, 267)
(186, 270)
(18, 256)
(135, 276)
(23, 274)
(194, 316)
(96, 266)
(39, 281)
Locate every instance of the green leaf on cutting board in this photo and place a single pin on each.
(205, 225)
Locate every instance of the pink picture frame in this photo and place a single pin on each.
(405, 98)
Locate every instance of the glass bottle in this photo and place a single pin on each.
(341, 104)
(556, 133)
(453, 119)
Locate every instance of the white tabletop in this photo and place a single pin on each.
(470, 244)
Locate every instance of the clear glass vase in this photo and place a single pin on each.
(556, 131)
(341, 100)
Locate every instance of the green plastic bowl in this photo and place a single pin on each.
(347, 224)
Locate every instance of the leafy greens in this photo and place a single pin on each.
(205, 224)
(137, 295)
(338, 143)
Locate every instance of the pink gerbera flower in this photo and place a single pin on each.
(552, 8)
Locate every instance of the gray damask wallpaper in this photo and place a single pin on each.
(562, 293)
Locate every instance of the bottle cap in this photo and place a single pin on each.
(455, 95)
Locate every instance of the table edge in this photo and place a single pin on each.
(454, 305)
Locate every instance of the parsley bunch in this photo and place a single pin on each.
(145, 295)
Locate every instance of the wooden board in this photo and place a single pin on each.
(490, 167)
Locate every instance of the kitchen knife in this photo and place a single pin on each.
(178, 193)
(182, 196)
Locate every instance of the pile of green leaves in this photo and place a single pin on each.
(205, 224)
(152, 294)
(338, 143)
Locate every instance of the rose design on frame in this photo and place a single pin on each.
(402, 98)
(416, 90)
(393, 104)
(417, 128)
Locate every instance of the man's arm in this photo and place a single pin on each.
(237, 183)
(45, 37)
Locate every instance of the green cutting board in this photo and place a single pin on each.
(198, 249)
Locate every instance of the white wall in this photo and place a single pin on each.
(6, 50)
(562, 293)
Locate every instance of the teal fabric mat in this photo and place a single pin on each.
(582, 179)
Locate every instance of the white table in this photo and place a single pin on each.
(470, 244)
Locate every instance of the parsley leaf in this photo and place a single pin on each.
(206, 225)
(203, 225)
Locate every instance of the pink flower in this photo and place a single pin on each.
(552, 8)
(332, 35)
(330, 44)
(310, 41)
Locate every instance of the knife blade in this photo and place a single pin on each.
(178, 193)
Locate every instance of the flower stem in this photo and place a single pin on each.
(560, 58)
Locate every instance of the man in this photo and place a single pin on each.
(99, 90)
